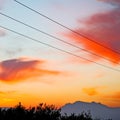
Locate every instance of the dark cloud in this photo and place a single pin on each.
(15, 70)
(104, 28)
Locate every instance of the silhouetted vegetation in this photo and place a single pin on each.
(41, 112)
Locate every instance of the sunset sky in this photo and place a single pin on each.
(31, 72)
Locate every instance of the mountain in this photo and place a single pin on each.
(97, 110)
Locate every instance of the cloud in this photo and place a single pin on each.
(114, 96)
(90, 91)
(15, 70)
(2, 33)
(2, 2)
(6, 92)
(113, 2)
(58, 5)
(12, 52)
(1, 93)
(103, 28)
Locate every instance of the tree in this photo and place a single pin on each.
(41, 112)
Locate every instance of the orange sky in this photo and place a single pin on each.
(32, 73)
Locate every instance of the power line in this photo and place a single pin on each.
(54, 36)
(70, 53)
(58, 23)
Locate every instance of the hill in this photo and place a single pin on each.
(97, 110)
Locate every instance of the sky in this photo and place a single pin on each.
(82, 64)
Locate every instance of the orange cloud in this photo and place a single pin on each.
(6, 92)
(102, 28)
(16, 70)
(90, 91)
(115, 95)
(1, 93)
(113, 99)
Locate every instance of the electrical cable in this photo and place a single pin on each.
(66, 27)
(52, 36)
(30, 38)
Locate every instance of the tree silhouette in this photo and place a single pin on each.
(41, 112)
(47, 112)
(82, 116)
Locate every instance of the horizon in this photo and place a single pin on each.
(69, 103)
(58, 51)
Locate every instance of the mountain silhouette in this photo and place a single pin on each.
(97, 110)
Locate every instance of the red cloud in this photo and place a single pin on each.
(18, 70)
(103, 28)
